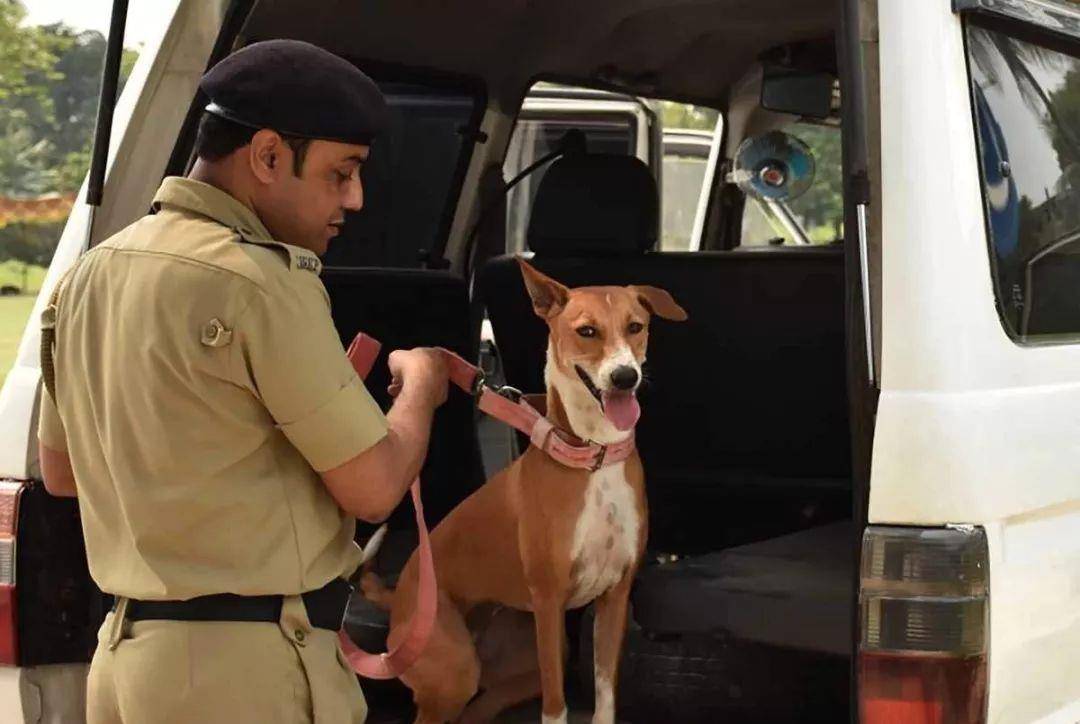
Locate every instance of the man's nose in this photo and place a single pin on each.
(354, 196)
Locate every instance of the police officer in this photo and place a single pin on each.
(203, 410)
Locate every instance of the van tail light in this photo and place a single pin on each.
(10, 492)
(924, 602)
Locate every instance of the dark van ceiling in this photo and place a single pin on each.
(684, 49)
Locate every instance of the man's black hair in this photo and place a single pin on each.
(218, 137)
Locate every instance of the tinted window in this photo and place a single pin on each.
(1026, 99)
(411, 180)
(534, 138)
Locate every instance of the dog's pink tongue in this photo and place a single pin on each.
(621, 409)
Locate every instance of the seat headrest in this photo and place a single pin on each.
(595, 204)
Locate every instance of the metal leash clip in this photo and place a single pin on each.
(478, 385)
(511, 393)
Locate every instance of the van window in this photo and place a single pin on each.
(538, 133)
(1027, 112)
(412, 179)
(686, 160)
(672, 139)
(816, 216)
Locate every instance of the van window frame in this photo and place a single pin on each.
(1045, 17)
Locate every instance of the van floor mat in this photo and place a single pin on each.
(703, 679)
(795, 591)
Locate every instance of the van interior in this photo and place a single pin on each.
(744, 607)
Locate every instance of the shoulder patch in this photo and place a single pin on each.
(299, 259)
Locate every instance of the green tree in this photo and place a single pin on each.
(821, 208)
(684, 115)
(49, 82)
(1066, 102)
(30, 243)
(27, 58)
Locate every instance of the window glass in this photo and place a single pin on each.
(537, 133)
(1027, 111)
(672, 139)
(411, 181)
(686, 159)
(816, 216)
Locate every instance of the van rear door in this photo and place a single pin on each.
(56, 605)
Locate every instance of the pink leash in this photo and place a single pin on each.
(362, 353)
(508, 406)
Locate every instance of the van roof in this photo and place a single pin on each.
(658, 48)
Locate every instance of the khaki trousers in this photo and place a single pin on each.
(173, 672)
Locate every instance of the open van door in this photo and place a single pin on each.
(51, 605)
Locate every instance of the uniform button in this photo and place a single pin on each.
(299, 635)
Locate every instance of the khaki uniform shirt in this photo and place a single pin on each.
(200, 385)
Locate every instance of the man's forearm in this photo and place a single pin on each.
(372, 484)
(410, 420)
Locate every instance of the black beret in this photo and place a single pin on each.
(297, 89)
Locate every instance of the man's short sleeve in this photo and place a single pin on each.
(297, 367)
(50, 428)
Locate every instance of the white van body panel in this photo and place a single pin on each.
(971, 427)
(156, 96)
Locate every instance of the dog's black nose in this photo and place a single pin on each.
(624, 378)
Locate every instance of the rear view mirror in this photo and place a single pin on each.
(798, 92)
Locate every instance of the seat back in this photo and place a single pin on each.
(744, 414)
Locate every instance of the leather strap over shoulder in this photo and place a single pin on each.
(49, 316)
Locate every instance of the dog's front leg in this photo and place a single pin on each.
(608, 631)
(549, 613)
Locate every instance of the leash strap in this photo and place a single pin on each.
(519, 414)
(362, 353)
(48, 336)
(399, 658)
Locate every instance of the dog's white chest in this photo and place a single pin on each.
(605, 537)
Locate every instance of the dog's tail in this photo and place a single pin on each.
(371, 585)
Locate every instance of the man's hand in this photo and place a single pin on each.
(423, 370)
(372, 484)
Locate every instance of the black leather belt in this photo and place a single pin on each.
(325, 607)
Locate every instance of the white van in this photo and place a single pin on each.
(860, 452)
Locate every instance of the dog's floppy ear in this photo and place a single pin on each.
(660, 303)
(548, 296)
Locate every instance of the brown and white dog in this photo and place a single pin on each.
(541, 537)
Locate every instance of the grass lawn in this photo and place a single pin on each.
(14, 311)
(11, 272)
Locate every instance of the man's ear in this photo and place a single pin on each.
(660, 303)
(266, 155)
(548, 296)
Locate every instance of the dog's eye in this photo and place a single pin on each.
(635, 328)
(587, 331)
